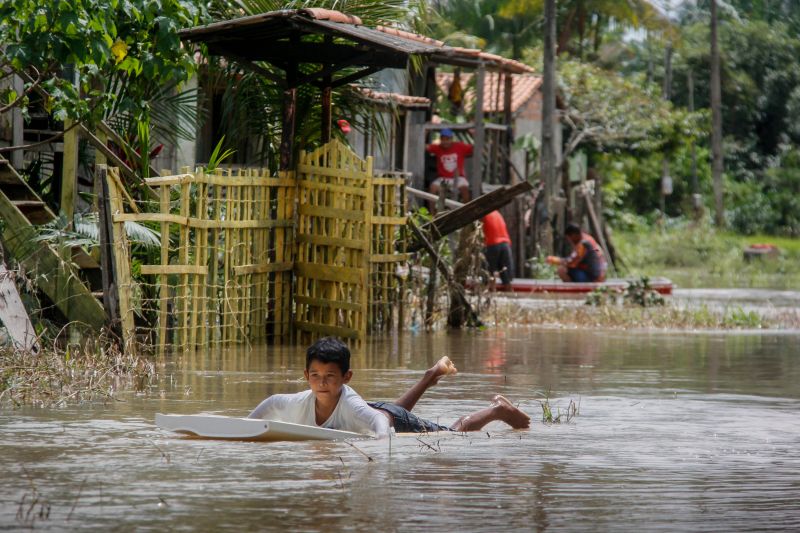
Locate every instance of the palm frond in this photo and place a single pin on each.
(140, 234)
(175, 114)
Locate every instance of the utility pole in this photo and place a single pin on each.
(666, 94)
(697, 200)
(548, 160)
(716, 121)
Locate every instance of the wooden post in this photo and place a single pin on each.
(548, 157)
(69, 172)
(289, 117)
(163, 285)
(476, 176)
(287, 133)
(121, 264)
(110, 294)
(366, 255)
(598, 229)
(326, 110)
(509, 121)
(17, 125)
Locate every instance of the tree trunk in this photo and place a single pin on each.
(548, 158)
(666, 94)
(716, 121)
(695, 185)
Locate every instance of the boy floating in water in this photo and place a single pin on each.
(331, 403)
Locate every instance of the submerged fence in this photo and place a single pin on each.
(242, 256)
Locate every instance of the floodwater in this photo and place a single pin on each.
(677, 432)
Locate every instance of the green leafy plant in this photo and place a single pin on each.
(603, 295)
(218, 156)
(548, 417)
(641, 293)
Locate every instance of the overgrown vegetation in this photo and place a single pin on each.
(668, 317)
(94, 370)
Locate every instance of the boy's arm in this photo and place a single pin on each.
(380, 424)
(373, 419)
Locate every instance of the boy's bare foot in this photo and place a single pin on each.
(443, 367)
(510, 414)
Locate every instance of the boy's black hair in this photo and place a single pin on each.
(572, 229)
(329, 350)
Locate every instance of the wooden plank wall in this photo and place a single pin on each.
(333, 244)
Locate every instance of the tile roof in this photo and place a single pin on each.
(319, 13)
(523, 89)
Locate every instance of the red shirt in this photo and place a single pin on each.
(450, 161)
(494, 229)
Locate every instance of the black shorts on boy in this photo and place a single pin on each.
(405, 421)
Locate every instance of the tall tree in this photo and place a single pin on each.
(716, 121)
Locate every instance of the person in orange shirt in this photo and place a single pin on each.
(498, 246)
(586, 263)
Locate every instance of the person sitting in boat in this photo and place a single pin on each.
(586, 263)
(332, 404)
(450, 157)
(498, 246)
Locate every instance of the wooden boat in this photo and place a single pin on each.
(547, 286)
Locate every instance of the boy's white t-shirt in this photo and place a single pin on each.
(351, 414)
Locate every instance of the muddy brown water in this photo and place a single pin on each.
(689, 432)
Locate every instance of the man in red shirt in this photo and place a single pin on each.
(498, 246)
(450, 157)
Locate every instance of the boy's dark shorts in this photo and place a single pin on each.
(405, 421)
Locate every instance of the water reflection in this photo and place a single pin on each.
(687, 432)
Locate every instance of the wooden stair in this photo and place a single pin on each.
(68, 287)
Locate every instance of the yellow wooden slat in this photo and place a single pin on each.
(331, 304)
(212, 179)
(262, 268)
(389, 258)
(344, 189)
(388, 181)
(330, 273)
(326, 329)
(391, 221)
(330, 212)
(332, 241)
(193, 222)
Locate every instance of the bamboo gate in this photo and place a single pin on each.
(247, 257)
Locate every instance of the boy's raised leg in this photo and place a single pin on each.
(499, 409)
(443, 367)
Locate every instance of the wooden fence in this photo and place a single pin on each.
(246, 257)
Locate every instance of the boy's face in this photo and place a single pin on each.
(326, 379)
